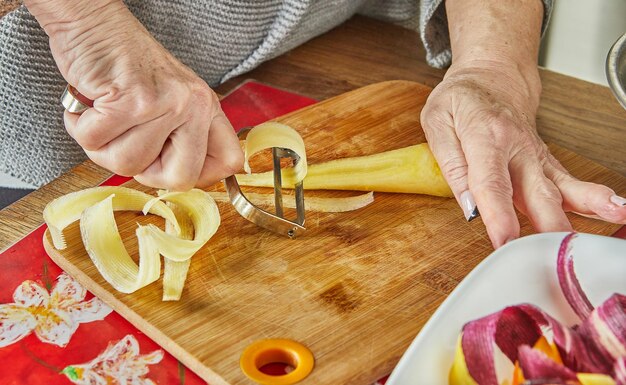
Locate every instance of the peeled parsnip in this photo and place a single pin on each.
(410, 169)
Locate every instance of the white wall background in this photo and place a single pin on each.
(579, 37)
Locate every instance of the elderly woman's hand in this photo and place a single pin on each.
(153, 118)
(480, 124)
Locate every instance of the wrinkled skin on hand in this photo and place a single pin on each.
(480, 124)
(153, 118)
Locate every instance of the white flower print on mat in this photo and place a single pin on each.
(120, 363)
(54, 317)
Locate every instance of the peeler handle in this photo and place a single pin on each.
(74, 101)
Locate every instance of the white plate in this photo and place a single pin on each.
(522, 271)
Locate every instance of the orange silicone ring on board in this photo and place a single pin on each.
(263, 352)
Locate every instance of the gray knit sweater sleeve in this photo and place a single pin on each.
(433, 26)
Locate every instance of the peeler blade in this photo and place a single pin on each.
(274, 222)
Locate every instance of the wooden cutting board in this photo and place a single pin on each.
(355, 288)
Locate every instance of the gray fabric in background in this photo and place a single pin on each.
(34, 146)
(217, 39)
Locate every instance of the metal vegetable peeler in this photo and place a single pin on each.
(274, 222)
(76, 103)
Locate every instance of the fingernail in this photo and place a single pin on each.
(618, 200)
(469, 206)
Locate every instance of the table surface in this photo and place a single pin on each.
(575, 114)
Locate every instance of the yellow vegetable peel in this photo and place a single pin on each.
(272, 134)
(190, 223)
(106, 249)
(175, 273)
(459, 375)
(328, 205)
(67, 209)
(204, 216)
(594, 379)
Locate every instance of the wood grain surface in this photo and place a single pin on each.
(7, 6)
(355, 288)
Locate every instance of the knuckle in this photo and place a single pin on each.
(433, 121)
(561, 178)
(528, 149)
(501, 128)
(123, 163)
(88, 138)
(145, 103)
(232, 162)
(431, 117)
(504, 126)
(454, 168)
(548, 192)
(185, 98)
(425, 114)
(499, 119)
(192, 99)
(203, 96)
(176, 182)
(494, 184)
